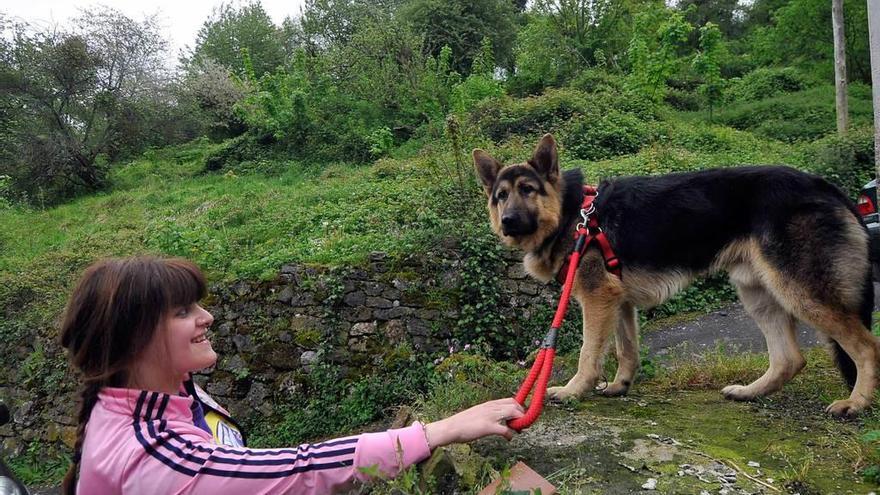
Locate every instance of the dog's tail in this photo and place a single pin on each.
(844, 362)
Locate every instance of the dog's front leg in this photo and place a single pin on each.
(601, 311)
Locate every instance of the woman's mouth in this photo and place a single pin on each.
(200, 339)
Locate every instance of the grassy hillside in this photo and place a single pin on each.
(251, 216)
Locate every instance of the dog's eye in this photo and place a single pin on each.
(526, 189)
(501, 195)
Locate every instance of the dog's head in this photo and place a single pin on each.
(524, 198)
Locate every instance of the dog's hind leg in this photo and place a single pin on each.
(778, 327)
(817, 266)
(627, 346)
(848, 331)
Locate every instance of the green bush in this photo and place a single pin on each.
(596, 81)
(752, 116)
(710, 138)
(681, 99)
(332, 403)
(474, 89)
(601, 136)
(767, 82)
(796, 117)
(846, 161)
(505, 117)
(235, 151)
(6, 192)
(381, 141)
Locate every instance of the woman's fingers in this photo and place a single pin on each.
(513, 411)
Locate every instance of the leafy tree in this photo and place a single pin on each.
(760, 13)
(707, 64)
(328, 23)
(726, 15)
(588, 26)
(214, 91)
(543, 57)
(654, 50)
(802, 34)
(480, 83)
(462, 25)
(81, 97)
(229, 32)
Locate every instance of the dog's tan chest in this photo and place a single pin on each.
(539, 268)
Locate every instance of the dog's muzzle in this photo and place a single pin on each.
(516, 224)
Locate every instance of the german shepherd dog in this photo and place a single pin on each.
(792, 243)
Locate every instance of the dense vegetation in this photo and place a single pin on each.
(346, 130)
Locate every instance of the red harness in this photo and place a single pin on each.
(594, 234)
(587, 232)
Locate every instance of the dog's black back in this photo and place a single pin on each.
(683, 220)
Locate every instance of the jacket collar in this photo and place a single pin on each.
(146, 404)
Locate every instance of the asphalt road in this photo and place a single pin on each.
(730, 326)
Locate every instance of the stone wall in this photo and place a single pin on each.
(269, 333)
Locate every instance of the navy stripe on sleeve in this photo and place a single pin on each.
(177, 466)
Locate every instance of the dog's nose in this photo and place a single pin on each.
(508, 220)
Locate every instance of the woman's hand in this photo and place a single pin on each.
(488, 418)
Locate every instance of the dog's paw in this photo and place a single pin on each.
(845, 408)
(615, 389)
(560, 394)
(737, 392)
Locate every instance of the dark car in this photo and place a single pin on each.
(867, 206)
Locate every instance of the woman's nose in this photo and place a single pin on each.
(207, 318)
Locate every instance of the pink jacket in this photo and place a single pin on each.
(140, 442)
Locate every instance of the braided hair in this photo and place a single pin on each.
(111, 317)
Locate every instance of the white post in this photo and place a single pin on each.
(839, 65)
(874, 37)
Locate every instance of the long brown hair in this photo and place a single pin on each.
(110, 319)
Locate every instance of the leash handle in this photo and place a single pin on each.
(545, 362)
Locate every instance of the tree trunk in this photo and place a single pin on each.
(874, 37)
(840, 65)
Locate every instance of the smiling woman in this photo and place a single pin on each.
(135, 331)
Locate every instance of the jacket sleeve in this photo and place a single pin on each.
(183, 459)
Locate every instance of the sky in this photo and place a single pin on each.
(180, 19)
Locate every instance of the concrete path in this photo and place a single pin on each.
(731, 326)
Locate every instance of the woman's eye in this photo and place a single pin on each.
(183, 312)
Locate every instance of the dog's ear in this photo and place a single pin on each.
(545, 160)
(487, 169)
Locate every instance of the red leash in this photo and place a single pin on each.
(587, 232)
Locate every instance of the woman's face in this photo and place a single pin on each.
(186, 339)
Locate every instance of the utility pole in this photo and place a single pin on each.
(874, 37)
(839, 66)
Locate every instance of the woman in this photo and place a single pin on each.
(134, 330)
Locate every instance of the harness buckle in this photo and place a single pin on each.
(593, 195)
(585, 216)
